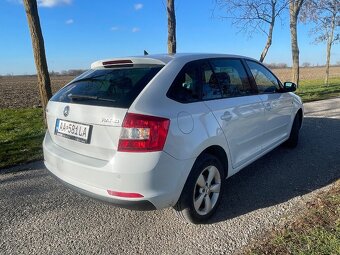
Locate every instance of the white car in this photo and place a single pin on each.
(158, 131)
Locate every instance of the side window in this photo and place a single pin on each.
(185, 88)
(210, 85)
(266, 82)
(232, 77)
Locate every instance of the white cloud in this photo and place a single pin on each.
(46, 3)
(114, 28)
(52, 3)
(138, 6)
(135, 29)
(69, 21)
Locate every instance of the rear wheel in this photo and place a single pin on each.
(293, 139)
(203, 190)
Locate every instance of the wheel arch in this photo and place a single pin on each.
(220, 153)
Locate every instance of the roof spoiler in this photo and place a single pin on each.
(125, 62)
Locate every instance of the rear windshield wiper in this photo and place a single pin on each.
(86, 97)
(94, 79)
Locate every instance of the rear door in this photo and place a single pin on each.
(278, 105)
(240, 113)
(86, 115)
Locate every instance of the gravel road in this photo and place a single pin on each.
(41, 216)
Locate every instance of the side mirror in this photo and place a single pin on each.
(289, 87)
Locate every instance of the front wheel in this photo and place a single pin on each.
(203, 190)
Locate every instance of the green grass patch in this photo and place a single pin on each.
(21, 135)
(312, 90)
(317, 231)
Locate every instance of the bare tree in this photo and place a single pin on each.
(294, 10)
(325, 14)
(254, 15)
(171, 26)
(38, 51)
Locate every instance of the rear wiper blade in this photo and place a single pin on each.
(86, 97)
(89, 79)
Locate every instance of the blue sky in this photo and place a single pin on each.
(79, 32)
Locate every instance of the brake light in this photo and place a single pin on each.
(117, 63)
(143, 133)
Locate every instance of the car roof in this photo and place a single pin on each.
(162, 59)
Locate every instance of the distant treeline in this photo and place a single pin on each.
(71, 72)
(284, 65)
(76, 72)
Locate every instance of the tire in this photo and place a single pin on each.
(204, 189)
(293, 139)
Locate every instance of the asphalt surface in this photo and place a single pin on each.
(40, 216)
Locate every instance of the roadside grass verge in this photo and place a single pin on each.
(21, 135)
(316, 231)
(312, 90)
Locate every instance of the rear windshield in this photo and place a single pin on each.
(107, 87)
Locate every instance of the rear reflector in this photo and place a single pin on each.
(143, 133)
(124, 194)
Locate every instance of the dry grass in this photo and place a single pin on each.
(315, 231)
(307, 73)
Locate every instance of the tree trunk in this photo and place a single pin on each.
(329, 47)
(295, 49)
(269, 42)
(171, 27)
(270, 32)
(294, 9)
(38, 51)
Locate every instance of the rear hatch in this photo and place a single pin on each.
(87, 114)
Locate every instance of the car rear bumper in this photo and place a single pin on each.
(157, 176)
(141, 205)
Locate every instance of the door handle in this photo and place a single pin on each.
(226, 116)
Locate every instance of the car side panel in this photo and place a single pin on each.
(242, 121)
(278, 116)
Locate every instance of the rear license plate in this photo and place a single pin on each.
(74, 131)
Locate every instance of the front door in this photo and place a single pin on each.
(277, 105)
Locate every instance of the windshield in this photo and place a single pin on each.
(107, 87)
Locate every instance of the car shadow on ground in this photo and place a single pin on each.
(285, 173)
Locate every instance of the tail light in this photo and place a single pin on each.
(143, 133)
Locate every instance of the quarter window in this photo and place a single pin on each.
(186, 88)
(265, 80)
